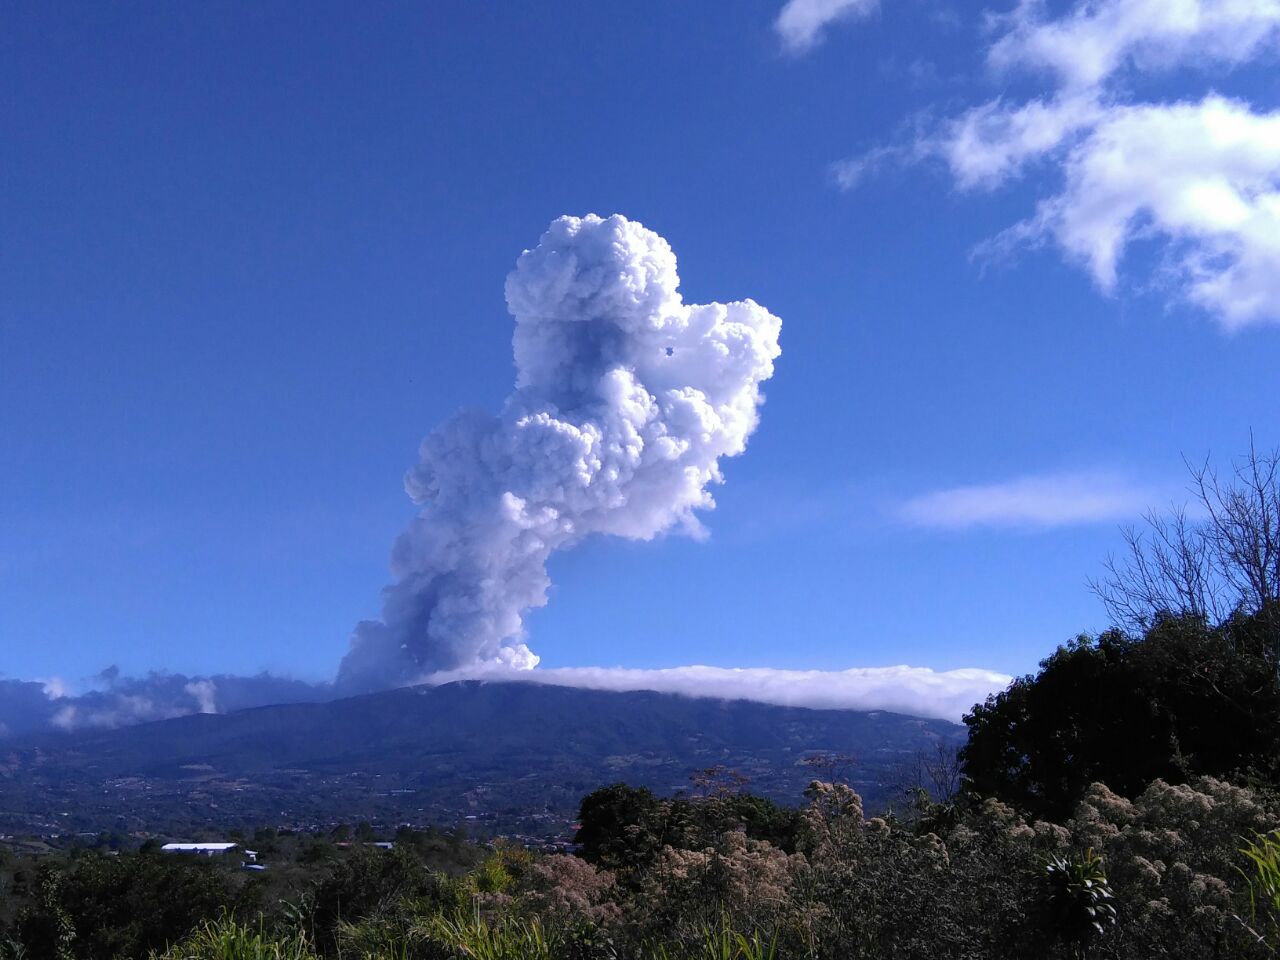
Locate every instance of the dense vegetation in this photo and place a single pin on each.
(1182, 700)
(1162, 875)
(1123, 802)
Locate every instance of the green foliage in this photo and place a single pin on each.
(1079, 898)
(878, 888)
(1263, 878)
(1182, 700)
(621, 826)
(625, 828)
(757, 817)
(102, 907)
(46, 925)
(362, 884)
(387, 938)
(985, 880)
(720, 941)
(225, 939)
(476, 937)
(493, 877)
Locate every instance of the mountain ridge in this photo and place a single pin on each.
(436, 754)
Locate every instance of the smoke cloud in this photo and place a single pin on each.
(625, 400)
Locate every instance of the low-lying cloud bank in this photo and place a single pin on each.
(45, 706)
(919, 691)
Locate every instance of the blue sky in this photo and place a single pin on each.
(251, 255)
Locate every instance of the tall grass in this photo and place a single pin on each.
(475, 937)
(1263, 877)
(721, 942)
(464, 937)
(1264, 880)
(376, 940)
(227, 939)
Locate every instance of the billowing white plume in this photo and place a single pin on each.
(626, 399)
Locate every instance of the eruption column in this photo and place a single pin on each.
(626, 398)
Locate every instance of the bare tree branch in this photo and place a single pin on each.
(1221, 563)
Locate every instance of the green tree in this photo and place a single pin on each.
(620, 826)
(107, 907)
(1183, 699)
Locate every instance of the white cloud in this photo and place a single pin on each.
(1204, 176)
(918, 691)
(994, 142)
(1200, 177)
(1033, 501)
(1096, 40)
(802, 23)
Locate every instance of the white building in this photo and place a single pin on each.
(200, 849)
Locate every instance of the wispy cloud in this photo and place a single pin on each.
(1200, 175)
(1046, 500)
(802, 23)
(850, 172)
(918, 691)
(1095, 41)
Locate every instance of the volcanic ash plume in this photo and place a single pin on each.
(626, 399)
